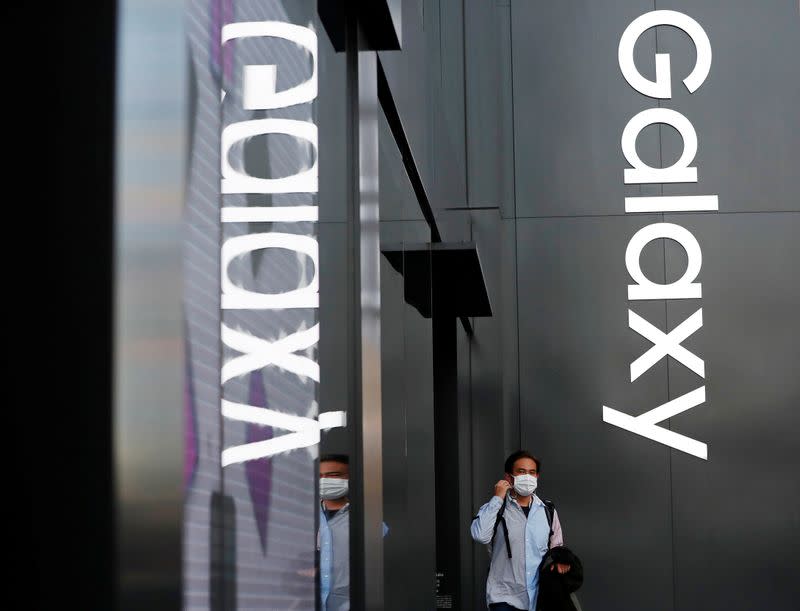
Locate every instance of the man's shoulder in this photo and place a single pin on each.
(545, 502)
(494, 501)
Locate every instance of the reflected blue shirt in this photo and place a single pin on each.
(334, 559)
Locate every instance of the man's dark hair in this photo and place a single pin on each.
(509, 466)
(342, 458)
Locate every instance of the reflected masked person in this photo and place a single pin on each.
(333, 539)
(519, 529)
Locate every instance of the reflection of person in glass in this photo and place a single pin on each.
(334, 533)
(522, 537)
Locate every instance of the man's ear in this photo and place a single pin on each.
(509, 479)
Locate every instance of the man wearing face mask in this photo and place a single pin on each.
(334, 533)
(333, 539)
(512, 584)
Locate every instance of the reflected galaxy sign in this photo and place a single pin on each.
(293, 353)
(252, 297)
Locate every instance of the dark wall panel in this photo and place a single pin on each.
(420, 542)
(494, 352)
(334, 358)
(332, 130)
(489, 127)
(508, 315)
(736, 514)
(491, 369)
(446, 121)
(407, 370)
(394, 422)
(611, 488)
(486, 357)
(473, 557)
(571, 104)
(486, 376)
(745, 113)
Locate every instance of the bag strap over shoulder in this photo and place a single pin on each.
(500, 519)
(549, 511)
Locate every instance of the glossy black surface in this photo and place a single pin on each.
(444, 278)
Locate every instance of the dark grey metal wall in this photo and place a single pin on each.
(686, 534)
(522, 124)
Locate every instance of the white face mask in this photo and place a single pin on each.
(525, 485)
(331, 488)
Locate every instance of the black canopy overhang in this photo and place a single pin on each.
(441, 278)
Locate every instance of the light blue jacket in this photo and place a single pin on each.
(515, 580)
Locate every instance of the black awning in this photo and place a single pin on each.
(441, 278)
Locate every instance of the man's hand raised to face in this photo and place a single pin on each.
(501, 488)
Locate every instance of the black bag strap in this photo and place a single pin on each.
(500, 519)
(549, 511)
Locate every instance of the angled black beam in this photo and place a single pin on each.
(396, 125)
